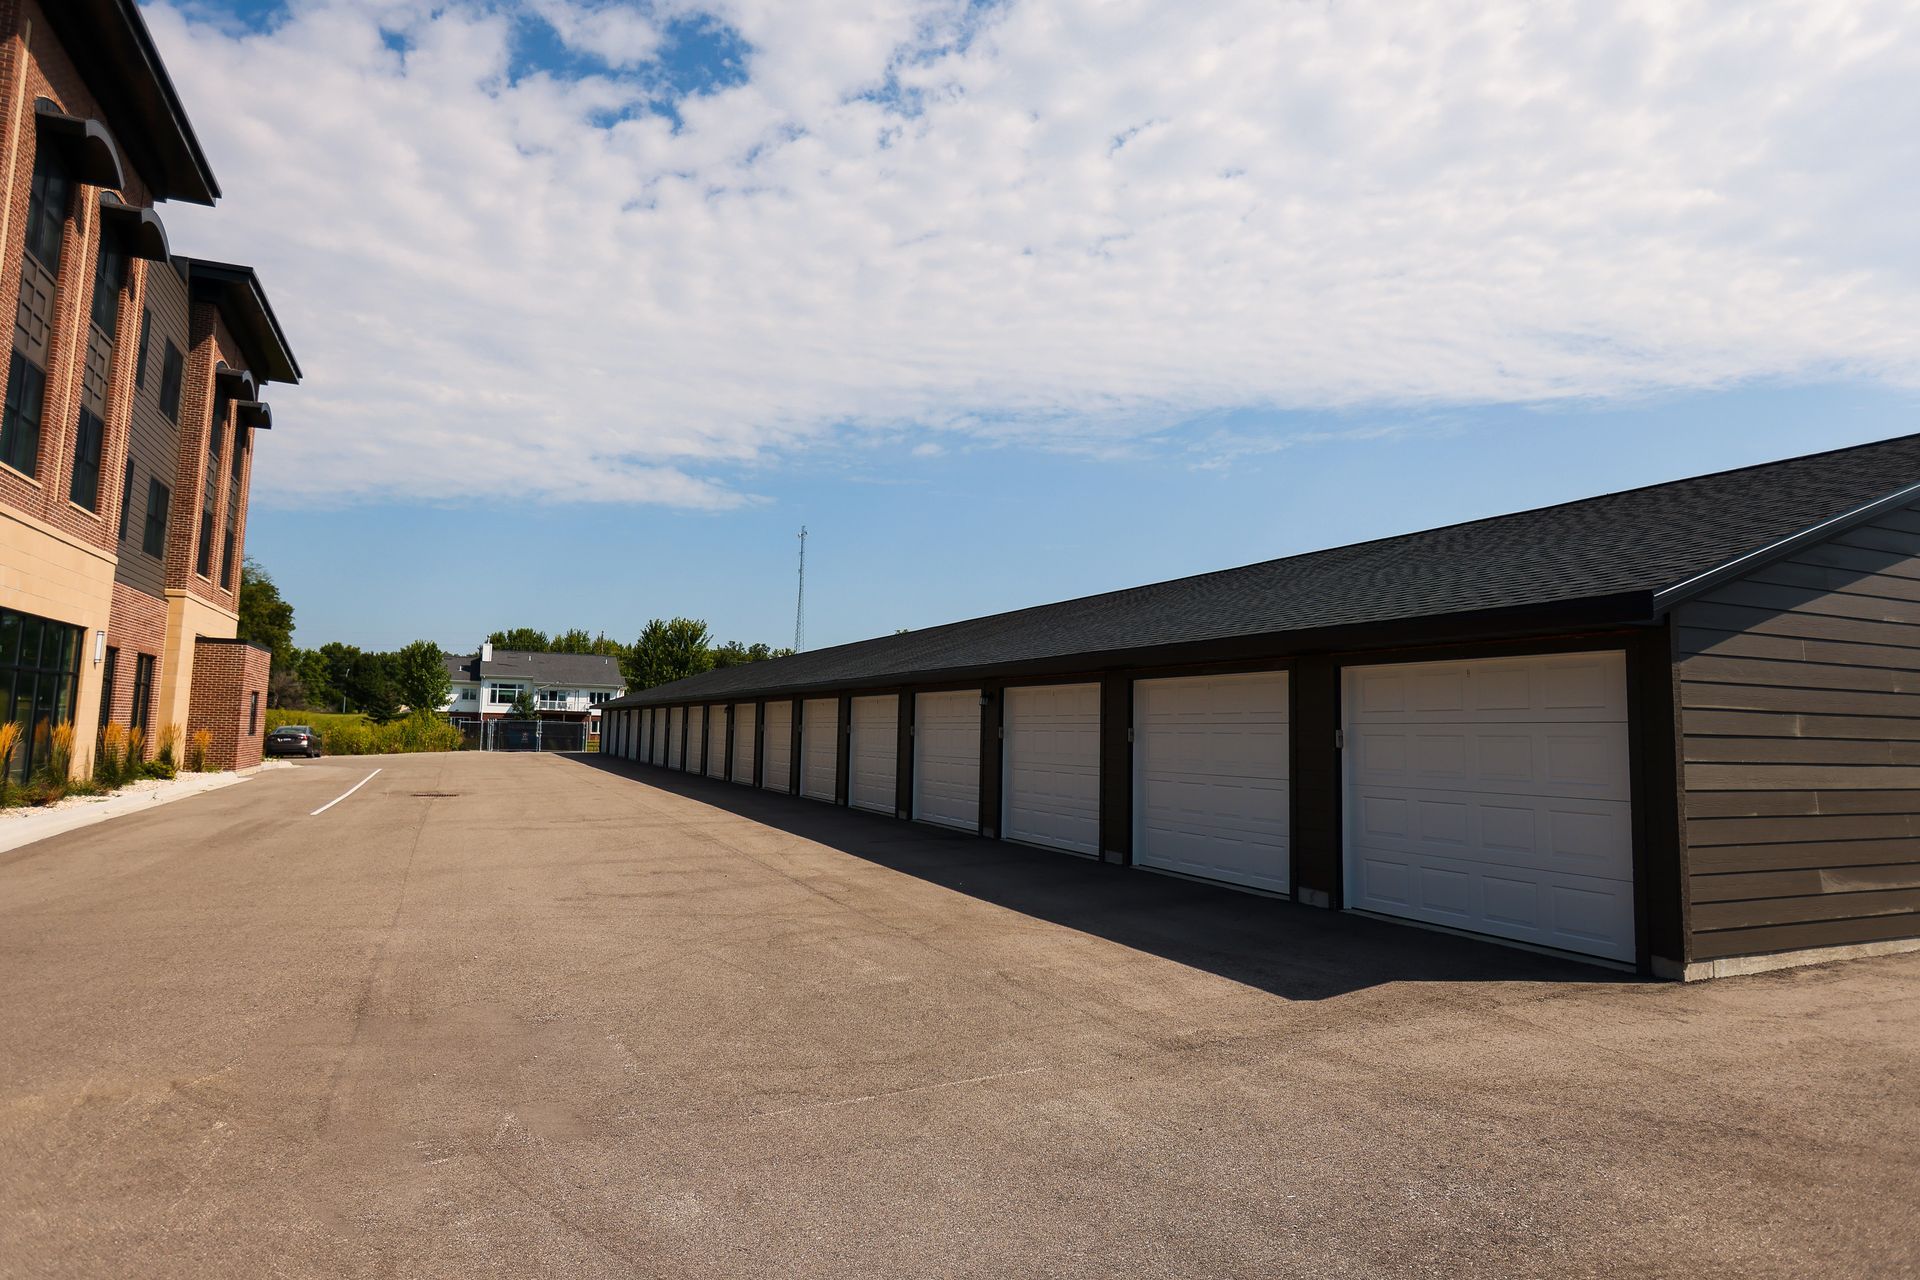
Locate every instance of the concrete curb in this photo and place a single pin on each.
(18, 830)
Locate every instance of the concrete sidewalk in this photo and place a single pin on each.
(529, 1015)
(21, 826)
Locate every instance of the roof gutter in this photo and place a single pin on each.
(1679, 593)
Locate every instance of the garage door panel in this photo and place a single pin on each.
(776, 772)
(1211, 790)
(1557, 688)
(1524, 759)
(716, 753)
(1494, 796)
(1585, 837)
(743, 727)
(1052, 766)
(946, 759)
(696, 748)
(819, 747)
(873, 754)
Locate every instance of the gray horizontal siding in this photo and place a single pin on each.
(1799, 688)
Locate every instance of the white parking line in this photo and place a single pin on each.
(343, 795)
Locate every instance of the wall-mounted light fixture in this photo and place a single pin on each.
(99, 647)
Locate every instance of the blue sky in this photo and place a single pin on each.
(898, 541)
(601, 301)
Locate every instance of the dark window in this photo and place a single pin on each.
(253, 713)
(203, 555)
(107, 670)
(39, 676)
(142, 691)
(153, 540)
(126, 500)
(140, 357)
(20, 429)
(85, 488)
(109, 277)
(227, 565)
(209, 480)
(49, 200)
(171, 366)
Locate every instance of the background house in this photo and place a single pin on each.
(565, 686)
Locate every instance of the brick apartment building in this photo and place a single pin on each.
(132, 400)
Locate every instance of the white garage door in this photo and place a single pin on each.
(873, 755)
(743, 742)
(776, 774)
(696, 739)
(717, 740)
(1211, 783)
(819, 747)
(636, 741)
(946, 759)
(1493, 796)
(629, 719)
(675, 742)
(1052, 767)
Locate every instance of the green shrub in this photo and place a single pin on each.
(356, 735)
(159, 769)
(42, 791)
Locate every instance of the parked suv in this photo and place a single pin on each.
(293, 740)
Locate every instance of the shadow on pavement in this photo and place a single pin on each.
(1297, 952)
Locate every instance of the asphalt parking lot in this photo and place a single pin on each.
(508, 1015)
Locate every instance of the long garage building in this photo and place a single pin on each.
(1676, 728)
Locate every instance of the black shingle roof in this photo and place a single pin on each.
(564, 669)
(1640, 541)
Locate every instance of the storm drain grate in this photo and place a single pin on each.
(435, 795)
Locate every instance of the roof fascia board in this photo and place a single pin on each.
(1665, 599)
(237, 291)
(1627, 609)
(114, 50)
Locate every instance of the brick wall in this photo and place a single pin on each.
(49, 73)
(230, 700)
(138, 625)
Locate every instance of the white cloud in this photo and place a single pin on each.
(618, 35)
(1083, 224)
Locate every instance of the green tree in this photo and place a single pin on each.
(285, 688)
(733, 653)
(420, 675)
(335, 664)
(265, 618)
(523, 639)
(370, 687)
(665, 651)
(316, 679)
(606, 648)
(573, 641)
(524, 707)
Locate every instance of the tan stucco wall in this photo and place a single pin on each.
(52, 574)
(187, 617)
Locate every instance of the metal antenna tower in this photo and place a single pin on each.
(800, 601)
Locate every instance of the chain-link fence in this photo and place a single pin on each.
(532, 735)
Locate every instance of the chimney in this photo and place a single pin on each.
(486, 651)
